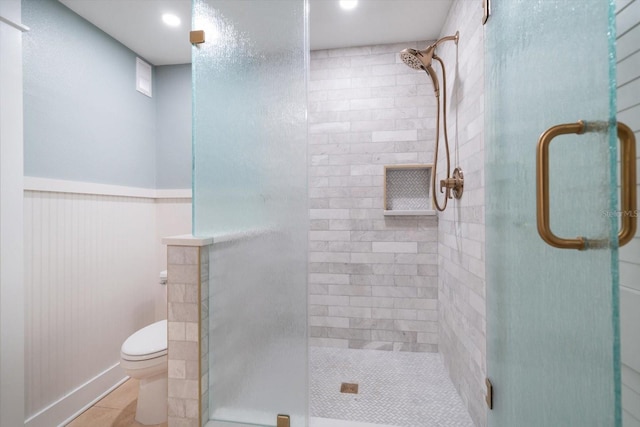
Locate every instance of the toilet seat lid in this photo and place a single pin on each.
(148, 340)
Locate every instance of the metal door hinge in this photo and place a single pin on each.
(489, 397)
(283, 421)
(196, 37)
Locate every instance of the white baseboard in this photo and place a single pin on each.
(79, 400)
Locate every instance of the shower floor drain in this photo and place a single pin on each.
(349, 388)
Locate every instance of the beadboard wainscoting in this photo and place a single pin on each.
(92, 259)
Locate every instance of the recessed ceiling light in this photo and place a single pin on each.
(348, 4)
(170, 19)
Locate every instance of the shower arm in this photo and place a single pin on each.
(448, 38)
(430, 51)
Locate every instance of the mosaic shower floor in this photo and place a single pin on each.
(395, 388)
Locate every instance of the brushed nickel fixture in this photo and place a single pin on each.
(452, 185)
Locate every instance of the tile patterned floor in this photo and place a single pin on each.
(313, 422)
(117, 409)
(328, 422)
(395, 388)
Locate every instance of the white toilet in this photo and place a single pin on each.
(144, 356)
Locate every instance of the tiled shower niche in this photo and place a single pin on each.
(407, 190)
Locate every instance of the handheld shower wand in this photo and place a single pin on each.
(422, 60)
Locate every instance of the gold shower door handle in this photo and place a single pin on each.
(627, 184)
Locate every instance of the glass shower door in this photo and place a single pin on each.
(250, 194)
(552, 314)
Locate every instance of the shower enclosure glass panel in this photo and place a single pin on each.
(250, 194)
(552, 314)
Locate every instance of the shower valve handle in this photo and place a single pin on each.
(454, 185)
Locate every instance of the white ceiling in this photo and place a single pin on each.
(137, 24)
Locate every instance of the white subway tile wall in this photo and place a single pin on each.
(461, 238)
(372, 279)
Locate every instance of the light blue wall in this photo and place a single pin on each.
(173, 136)
(84, 120)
